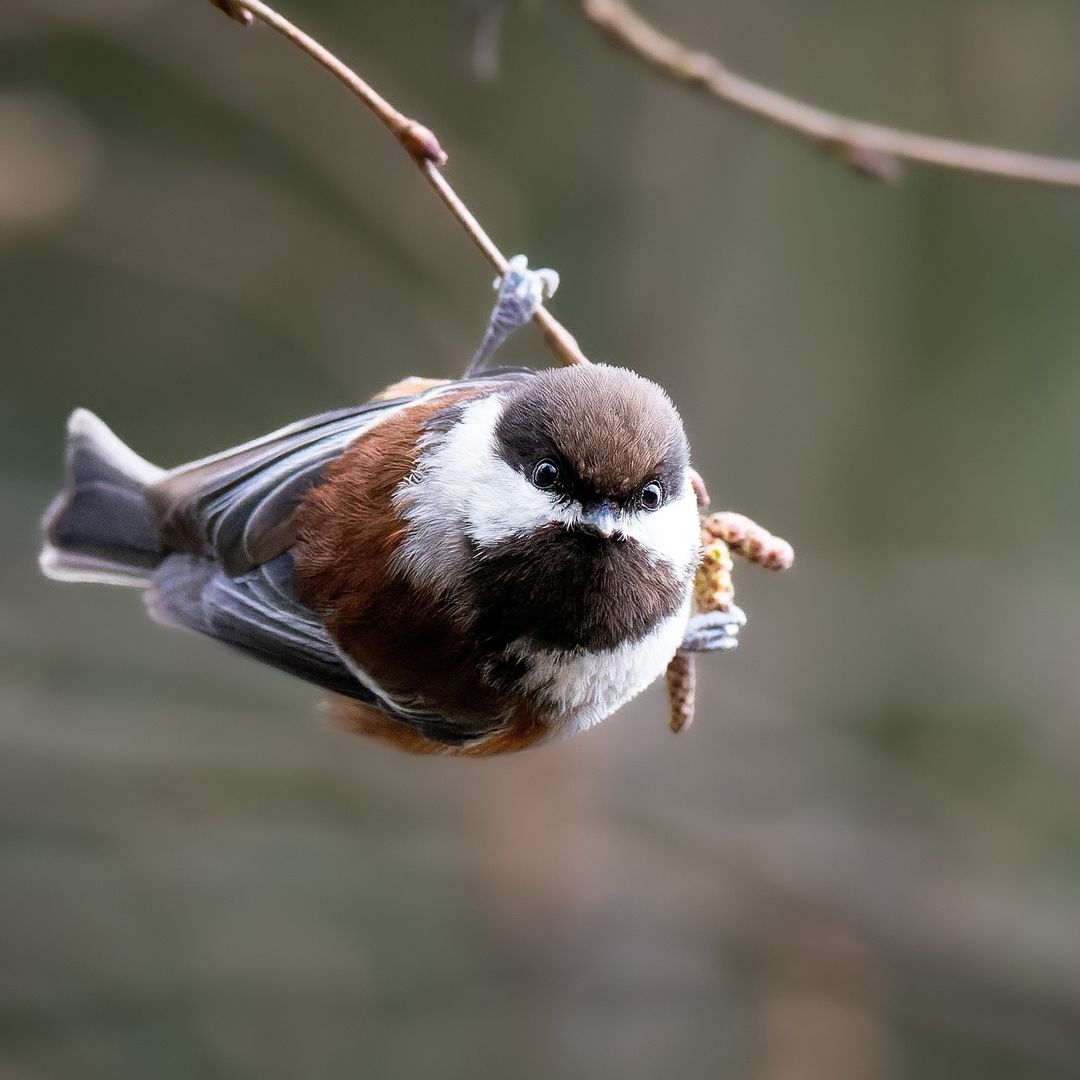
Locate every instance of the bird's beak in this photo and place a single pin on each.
(600, 520)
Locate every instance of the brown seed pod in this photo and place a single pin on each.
(680, 685)
(749, 539)
(713, 587)
(721, 534)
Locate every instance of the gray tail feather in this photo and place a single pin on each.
(100, 527)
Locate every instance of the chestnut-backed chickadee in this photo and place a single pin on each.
(470, 566)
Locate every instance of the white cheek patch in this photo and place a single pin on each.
(463, 486)
(473, 484)
(672, 533)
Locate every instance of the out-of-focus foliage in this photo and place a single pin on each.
(863, 860)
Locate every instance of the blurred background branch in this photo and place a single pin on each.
(870, 149)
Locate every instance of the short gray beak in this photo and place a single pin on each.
(601, 520)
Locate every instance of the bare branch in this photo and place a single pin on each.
(421, 145)
(871, 149)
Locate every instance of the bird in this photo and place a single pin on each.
(469, 567)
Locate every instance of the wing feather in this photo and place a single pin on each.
(226, 505)
(255, 613)
(258, 614)
(237, 506)
(228, 519)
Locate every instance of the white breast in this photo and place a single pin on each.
(586, 687)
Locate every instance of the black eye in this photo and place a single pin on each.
(651, 495)
(545, 474)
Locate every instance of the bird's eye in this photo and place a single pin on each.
(546, 474)
(651, 495)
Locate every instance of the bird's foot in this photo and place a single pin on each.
(521, 292)
(713, 631)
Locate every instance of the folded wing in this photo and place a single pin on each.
(237, 507)
(258, 614)
(228, 522)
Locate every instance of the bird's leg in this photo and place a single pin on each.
(521, 292)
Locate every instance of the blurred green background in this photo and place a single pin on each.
(864, 859)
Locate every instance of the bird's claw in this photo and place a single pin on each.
(524, 287)
(713, 631)
(521, 292)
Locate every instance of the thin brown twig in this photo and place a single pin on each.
(421, 145)
(872, 149)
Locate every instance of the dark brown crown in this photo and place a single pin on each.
(610, 430)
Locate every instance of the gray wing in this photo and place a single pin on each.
(258, 614)
(228, 521)
(237, 506)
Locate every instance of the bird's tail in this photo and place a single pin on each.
(100, 527)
